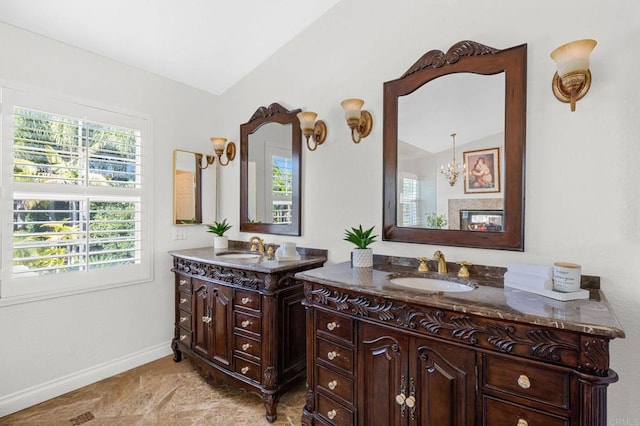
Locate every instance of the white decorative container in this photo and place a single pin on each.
(220, 242)
(362, 258)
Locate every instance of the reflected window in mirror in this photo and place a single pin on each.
(270, 168)
(465, 107)
(187, 187)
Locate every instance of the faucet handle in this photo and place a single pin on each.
(423, 264)
(464, 272)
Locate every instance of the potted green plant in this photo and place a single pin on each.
(362, 255)
(220, 241)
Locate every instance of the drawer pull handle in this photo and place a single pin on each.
(183, 319)
(332, 384)
(183, 336)
(332, 355)
(183, 300)
(183, 282)
(522, 422)
(246, 323)
(400, 399)
(331, 414)
(246, 346)
(244, 369)
(206, 320)
(523, 382)
(245, 300)
(332, 326)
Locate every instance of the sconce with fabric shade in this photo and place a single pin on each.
(219, 148)
(312, 128)
(359, 121)
(573, 78)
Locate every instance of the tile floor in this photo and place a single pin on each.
(159, 393)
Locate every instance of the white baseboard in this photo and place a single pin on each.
(36, 394)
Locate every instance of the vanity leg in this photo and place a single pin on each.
(177, 353)
(271, 405)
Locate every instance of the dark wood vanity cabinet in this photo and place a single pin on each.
(378, 361)
(242, 327)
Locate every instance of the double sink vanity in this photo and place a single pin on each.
(395, 344)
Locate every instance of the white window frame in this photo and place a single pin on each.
(17, 290)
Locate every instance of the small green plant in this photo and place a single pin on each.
(436, 221)
(359, 237)
(219, 228)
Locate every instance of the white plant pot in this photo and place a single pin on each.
(220, 242)
(362, 258)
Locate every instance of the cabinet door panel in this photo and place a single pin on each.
(445, 381)
(222, 330)
(382, 376)
(201, 312)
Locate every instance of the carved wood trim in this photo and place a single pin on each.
(595, 356)
(437, 58)
(270, 377)
(232, 276)
(531, 342)
(270, 111)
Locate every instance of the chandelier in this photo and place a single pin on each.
(452, 171)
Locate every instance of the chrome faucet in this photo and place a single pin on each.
(442, 263)
(257, 244)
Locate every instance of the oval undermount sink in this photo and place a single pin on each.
(431, 284)
(240, 257)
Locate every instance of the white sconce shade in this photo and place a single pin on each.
(218, 144)
(573, 56)
(352, 108)
(219, 148)
(307, 120)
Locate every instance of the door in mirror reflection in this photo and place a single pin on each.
(270, 175)
(427, 118)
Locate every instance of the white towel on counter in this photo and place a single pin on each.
(527, 281)
(531, 269)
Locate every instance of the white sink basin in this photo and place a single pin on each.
(240, 257)
(431, 284)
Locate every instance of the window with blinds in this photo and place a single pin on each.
(409, 202)
(77, 199)
(282, 188)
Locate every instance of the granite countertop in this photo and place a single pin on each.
(212, 256)
(592, 316)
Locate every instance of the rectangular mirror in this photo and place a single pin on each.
(187, 187)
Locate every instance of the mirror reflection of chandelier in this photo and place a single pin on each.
(452, 171)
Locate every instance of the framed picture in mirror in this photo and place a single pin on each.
(482, 171)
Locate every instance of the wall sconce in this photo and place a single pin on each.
(573, 78)
(218, 148)
(311, 127)
(359, 121)
(452, 171)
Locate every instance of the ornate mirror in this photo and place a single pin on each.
(270, 168)
(454, 146)
(187, 187)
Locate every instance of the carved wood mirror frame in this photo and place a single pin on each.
(274, 113)
(463, 57)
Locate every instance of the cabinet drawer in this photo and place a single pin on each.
(246, 345)
(526, 380)
(502, 413)
(184, 301)
(334, 412)
(184, 336)
(184, 283)
(334, 384)
(247, 323)
(247, 299)
(335, 326)
(184, 319)
(335, 355)
(248, 369)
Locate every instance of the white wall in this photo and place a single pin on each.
(579, 208)
(52, 346)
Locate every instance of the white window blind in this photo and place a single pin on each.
(282, 187)
(409, 202)
(77, 199)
